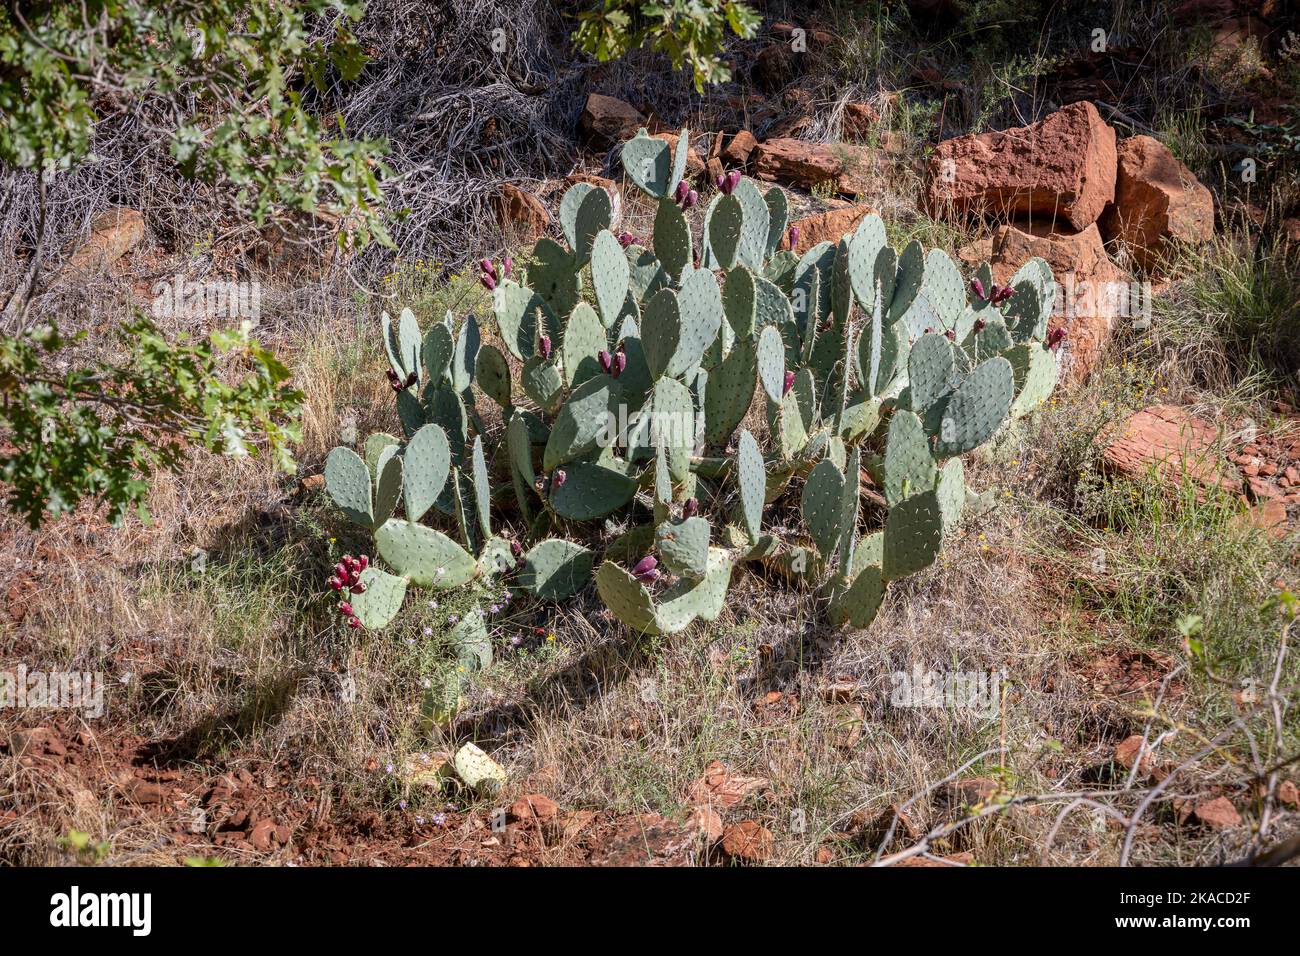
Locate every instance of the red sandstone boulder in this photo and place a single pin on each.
(1157, 199)
(808, 165)
(1062, 168)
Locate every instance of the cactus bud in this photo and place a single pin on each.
(544, 346)
(354, 623)
(516, 549)
(978, 288)
(647, 569)
(794, 236)
(683, 188)
(488, 282)
(606, 361)
(412, 379)
(335, 583)
(341, 570)
(392, 377)
(1055, 338)
(363, 562)
(733, 180)
(979, 326)
(721, 182)
(691, 199)
(619, 363)
(506, 265)
(789, 383)
(626, 239)
(950, 335)
(691, 508)
(358, 588)
(345, 609)
(557, 481)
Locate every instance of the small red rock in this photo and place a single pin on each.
(748, 841)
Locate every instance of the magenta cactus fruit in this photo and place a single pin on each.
(1055, 338)
(691, 508)
(606, 361)
(488, 282)
(487, 267)
(358, 588)
(721, 182)
(794, 236)
(516, 548)
(789, 383)
(345, 609)
(335, 583)
(691, 199)
(978, 288)
(544, 346)
(626, 239)
(557, 481)
(363, 562)
(733, 180)
(979, 325)
(683, 189)
(506, 265)
(354, 623)
(619, 362)
(647, 569)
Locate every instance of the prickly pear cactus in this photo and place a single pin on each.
(626, 371)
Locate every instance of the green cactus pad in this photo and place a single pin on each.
(858, 605)
(381, 600)
(478, 771)
(555, 569)
(584, 340)
(582, 421)
(731, 391)
(626, 597)
(646, 274)
(723, 230)
(436, 352)
(700, 311)
(661, 331)
(610, 276)
(543, 383)
(950, 489)
(672, 238)
(755, 222)
(591, 491)
(594, 214)
(519, 447)
(771, 306)
(556, 275)
(977, 408)
(865, 248)
(465, 356)
(495, 558)
(793, 418)
(375, 446)
(909, 467)
(751, 479)
(907, 281)
(569, 204)
(913, 535)
(687, 600)
(473, 645)
(821, 506)
(771, 363)
(427, 557)
(410, 412)
(993, 339)
(427, 462)
(673, 423)
(1036, 371)
(516, 308)
(740, 303)
(492, 375)
(482, 488)
(931, 371)
(684, 545)
(388, 486)
(648, 162)
(347, 479)
(778, 216)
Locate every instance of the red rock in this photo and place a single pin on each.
(1174, 443)
(720, 787)
(1060, 168)
(831, 226)
(748, 842)
(520, 211)
(708, 822)
(1217, 814)
(534, 806)
(860, 121)
(649, 840)
(261, 836)
(1267, 516)
(841, 167)
(113, 233)
(36, 742)
(1157, 199)
(146, 791)
(738, 151)
(607, 121)
(1093, 292)
(1288, 793)
(951, 861)
(1127, 750)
